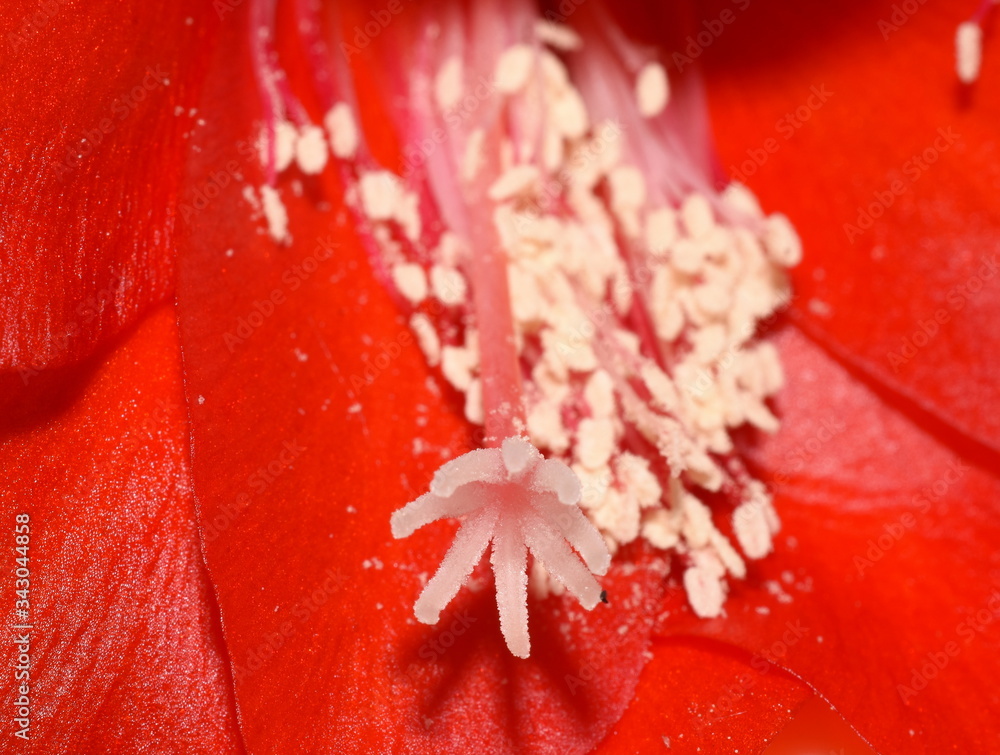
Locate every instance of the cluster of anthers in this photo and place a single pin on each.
(564, 260)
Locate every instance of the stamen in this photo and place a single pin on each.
(563, 259)
(969, 43)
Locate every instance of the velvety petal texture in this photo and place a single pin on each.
(125, 648)
(851, 119)
(97, 105)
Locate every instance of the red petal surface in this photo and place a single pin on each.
(883, 596)
(126, 653)
(889, 562)
(689, 698)
(92, 152)
(913, 299)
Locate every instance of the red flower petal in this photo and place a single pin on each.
(885, 587)
(892, 517)
(125, 649)
(912, 300)
(97, 110)
(689, 695)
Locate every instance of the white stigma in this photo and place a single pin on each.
(652, 90)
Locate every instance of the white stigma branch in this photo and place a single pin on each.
(520, 502)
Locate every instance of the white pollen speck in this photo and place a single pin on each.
(599, 393)
(354, 408)
(201, 400)
(285, 136)
(251, 197)
(687, 256)
(456, 365)
(427, 338)
(411, 281)
(696, 213)
(474, 402)
(301, 355)
(448, 285)
(781, 241)
(448, 83)
(310, 150)
(741, 199)
(473, 157)
(449, 249)
(652, 90)
(705, 591)
(968, 51)
(595, 442)
(229, 252)
(407, 214)
(661, 231)
(569, 112)
(820, 307)
(545, 427)
(628, 187)
(752, 530)
(380, 194)
(514, 181)
(557, 36)
(277, 216)
(514, 68)
(342, 130)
